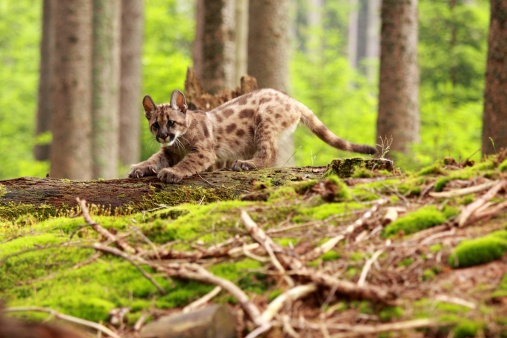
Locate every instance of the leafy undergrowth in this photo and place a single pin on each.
(426, 247)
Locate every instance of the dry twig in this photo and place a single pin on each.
(468, 213)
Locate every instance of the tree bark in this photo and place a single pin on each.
(71, 121)
(494, 128)
(41, 150)
(132, 23)
(268, 54)
(218, 45)
(398, 107)
(241, 57)
(106, 82)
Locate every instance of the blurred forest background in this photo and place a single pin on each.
(332, 63)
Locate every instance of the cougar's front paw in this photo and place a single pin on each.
(140, 170)
(169, 175)
(240, 165)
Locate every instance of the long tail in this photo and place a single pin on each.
(309, 119)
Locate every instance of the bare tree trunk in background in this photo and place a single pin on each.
(241, 59)
(352, 34)
(268, 54)
(71, 121)
(218, 45)
(363, 34)
(198, 46)
(494, 127)
(132, 28)
(398, 114)
(106, 88)
(41, 151)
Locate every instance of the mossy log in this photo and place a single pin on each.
(44, 197)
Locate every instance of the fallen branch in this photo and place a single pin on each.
(362, 279)
(462, 191)
(468, 212)
(97, 227)
(293, 294)
(72, 319)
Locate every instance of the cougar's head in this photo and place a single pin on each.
(168, 121)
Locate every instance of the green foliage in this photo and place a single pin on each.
(452, 80)
(423, 218)
(479, 250)
(466, 329)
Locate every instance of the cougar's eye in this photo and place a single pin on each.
(170, 123)
(155, 126)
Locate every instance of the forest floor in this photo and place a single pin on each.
(378, 253)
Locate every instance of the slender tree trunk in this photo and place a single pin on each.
(132, 22)
(352, 34)
(71, 120)
(41, 150)
(494, 128)
(106, 81)
(241, 58)
(218, 45)
(398, 115)
(373, 37)
(268, 54)
(198, 46)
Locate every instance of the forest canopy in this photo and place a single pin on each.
(452, 58)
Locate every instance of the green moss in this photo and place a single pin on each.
(423, 218)
(479, 250)
(406, 262)
(435, 248)
(389, 313)
(282, 193)
(363, 173)
(435, 169)
(303, 186)
(428, 275)
(503, 166)
(343, 192)
(330, 256)
(3, 190)
(466, 328)
(326, 210)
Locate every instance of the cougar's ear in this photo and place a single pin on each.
(149, 106)
(178, 101)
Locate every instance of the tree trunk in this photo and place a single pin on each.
(241, 58)
(71, 121)
(218, 45)
(106, 82)
(268, 54)
(41, 149)
(494, 128)
(398, 114)
(132, 23)
(198, 46)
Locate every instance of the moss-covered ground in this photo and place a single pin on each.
(437, 270)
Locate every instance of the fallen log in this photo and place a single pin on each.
(45, 197)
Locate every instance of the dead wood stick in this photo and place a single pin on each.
(196, 272)
(297, 268)
(331, 243)
(291, 295)
(362, 278)
(463, 191)
(260, 236)
(466, 214)
(97, 227)
(131, 260)
(360, 330)
(202, 301)
(65, 317)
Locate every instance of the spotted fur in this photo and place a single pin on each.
(247, 130)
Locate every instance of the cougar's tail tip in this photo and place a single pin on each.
(365, 149)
